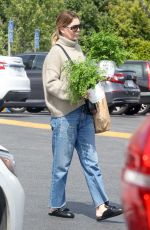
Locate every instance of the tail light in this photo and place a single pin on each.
(138, 155)
(136, 178)
(118, 78)
(148, 72)
(2, 65)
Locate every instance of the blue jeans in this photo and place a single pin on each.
(75, 130)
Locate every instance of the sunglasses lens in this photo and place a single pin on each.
(75, 28)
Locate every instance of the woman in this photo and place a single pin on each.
(72, 126)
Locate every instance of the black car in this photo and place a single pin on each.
(120, 89)
(142, 69)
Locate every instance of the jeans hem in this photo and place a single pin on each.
(57, 206)
(107, 201)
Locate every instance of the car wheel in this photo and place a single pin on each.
(133, 109)
(17, 110)
(1, 109)
(34, 110)
(119, 110)
(1, 105)
(144, 109)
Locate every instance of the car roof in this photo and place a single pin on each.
(136, 61)
(11, 59)
(32, 53)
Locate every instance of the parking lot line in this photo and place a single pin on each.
(24, 124)
(46, 126)
(116, 134)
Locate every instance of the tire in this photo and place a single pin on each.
(1, 109)
(119, 110)
(1, 105)
(34, 110)
(133, 109)
(144, 109)
(17, 110)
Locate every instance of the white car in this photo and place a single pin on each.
(14, 83)
(11, 194)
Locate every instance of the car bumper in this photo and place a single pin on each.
(14, 194)
(136, 200)
(121, 97)
(17, 96)
(14, 85)
(145, 98)
(27, 103)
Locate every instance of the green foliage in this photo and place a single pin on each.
(145, 6)
(129, 19)
(90, 12)
(139, 49)
(28, 16)
(82, 76)
(105, 46)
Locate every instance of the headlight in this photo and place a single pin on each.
(8, 160)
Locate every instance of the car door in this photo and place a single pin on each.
(35, 76)
(28, 60)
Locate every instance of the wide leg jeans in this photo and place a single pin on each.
(75, 130)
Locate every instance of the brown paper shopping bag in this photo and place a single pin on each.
(101, 118)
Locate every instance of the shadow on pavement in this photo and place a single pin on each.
(89, 210)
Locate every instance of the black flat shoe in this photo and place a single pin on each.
(62, 212)
(114, 207)
(110, 212)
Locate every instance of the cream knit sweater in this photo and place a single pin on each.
(55, 80)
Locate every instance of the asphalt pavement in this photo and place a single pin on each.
(31, 147)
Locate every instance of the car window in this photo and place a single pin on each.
(27, 61)
(135, 67)
(38, 62)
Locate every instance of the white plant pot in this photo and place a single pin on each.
(96, 94)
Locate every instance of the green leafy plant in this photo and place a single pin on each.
(105, 46)
(82, 76)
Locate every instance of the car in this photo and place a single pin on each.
(135, 191)
(12, 195)
(14, 83)
(142, 69)
(120, 89)
(33, 63)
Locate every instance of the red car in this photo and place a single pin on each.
(136, 180)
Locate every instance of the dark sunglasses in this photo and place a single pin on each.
(74, 28)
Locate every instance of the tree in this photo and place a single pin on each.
(129, 19)
(131, 22)
(90, 11)
(146, 8)
(139, 49)
(27, 16)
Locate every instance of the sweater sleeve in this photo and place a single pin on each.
(54, 81)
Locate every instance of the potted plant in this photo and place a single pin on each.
(83, 75)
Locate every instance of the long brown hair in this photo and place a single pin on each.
(63, 20)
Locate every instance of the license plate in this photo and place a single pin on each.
(129, 84)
